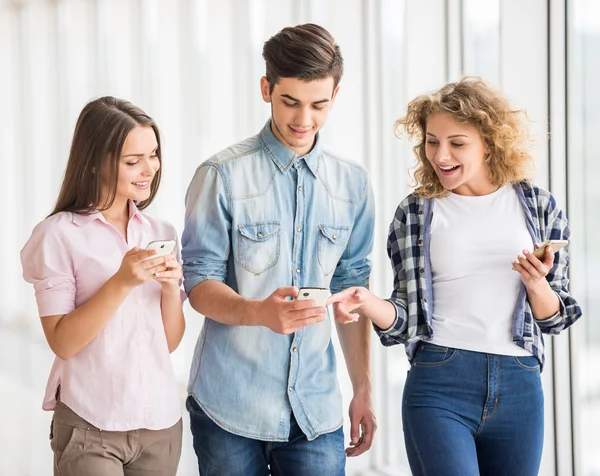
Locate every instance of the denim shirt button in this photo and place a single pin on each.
(290, 388)
(298, 270)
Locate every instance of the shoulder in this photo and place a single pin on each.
(344, 173)
(52, 233)
(55, 226)
(411, 205)
(344, 163)
(244, 149)
(543, 199)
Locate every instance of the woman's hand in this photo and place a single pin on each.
(346, 304)
(532, 270)
(171, 276)
(138, 267)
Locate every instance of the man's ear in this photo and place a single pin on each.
(333, 96)
(265, 89)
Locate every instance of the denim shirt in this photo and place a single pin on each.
(259, 217)
(408, 249)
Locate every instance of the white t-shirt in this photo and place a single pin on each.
(474, 240)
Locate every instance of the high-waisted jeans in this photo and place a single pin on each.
(470, 413)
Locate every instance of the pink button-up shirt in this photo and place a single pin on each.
(123, 379)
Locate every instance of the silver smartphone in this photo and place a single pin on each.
(318, 295)
(162, 247)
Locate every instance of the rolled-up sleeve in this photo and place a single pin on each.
(557, 277)
(397, 332)
(47, 264)
(354, 267)
(206, 238)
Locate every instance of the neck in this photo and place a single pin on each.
(118, 211)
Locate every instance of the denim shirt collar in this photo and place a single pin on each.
(284, 157)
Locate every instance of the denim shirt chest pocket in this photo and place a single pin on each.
(259, 246)
(332, 243)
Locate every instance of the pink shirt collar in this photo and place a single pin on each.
(82, 219)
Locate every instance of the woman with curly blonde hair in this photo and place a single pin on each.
(472, 326)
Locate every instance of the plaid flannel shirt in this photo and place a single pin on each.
(408, 249)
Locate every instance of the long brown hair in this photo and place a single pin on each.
(307, 52)
(100, 133)
(504, 130)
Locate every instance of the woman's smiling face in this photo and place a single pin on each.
(457, 152)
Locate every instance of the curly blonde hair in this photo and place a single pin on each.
(470, 101)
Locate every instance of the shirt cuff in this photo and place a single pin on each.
(555, 318)
(190, 282)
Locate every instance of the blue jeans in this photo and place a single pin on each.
(469, 413)
(221, 453)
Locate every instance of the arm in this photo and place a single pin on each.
(355, 340)
(546, 282)
(356, 302)
(69, 333)
(354, 269)
(170, 303)
(206, 245)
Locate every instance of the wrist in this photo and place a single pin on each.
(120, 285)
(537, 288)
(252, 310)
(363, 390)
(170, 287)
(368, 303)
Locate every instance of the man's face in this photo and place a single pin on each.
(298, 110)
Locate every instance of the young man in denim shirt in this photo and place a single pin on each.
(265, 217)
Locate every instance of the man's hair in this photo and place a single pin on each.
(306, 52)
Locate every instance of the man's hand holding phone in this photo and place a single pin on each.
(286, 316)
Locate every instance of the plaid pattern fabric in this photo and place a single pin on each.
(408, 249)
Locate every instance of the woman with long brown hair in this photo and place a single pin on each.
(110, 309)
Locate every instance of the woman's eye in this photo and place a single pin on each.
(456, 145)
(131, 164)
(432, 142)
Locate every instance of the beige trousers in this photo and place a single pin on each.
(81, 449)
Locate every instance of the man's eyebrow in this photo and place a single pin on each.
(292, 98)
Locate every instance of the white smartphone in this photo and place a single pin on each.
(162, 247)
(554, 245)
(318, 295)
